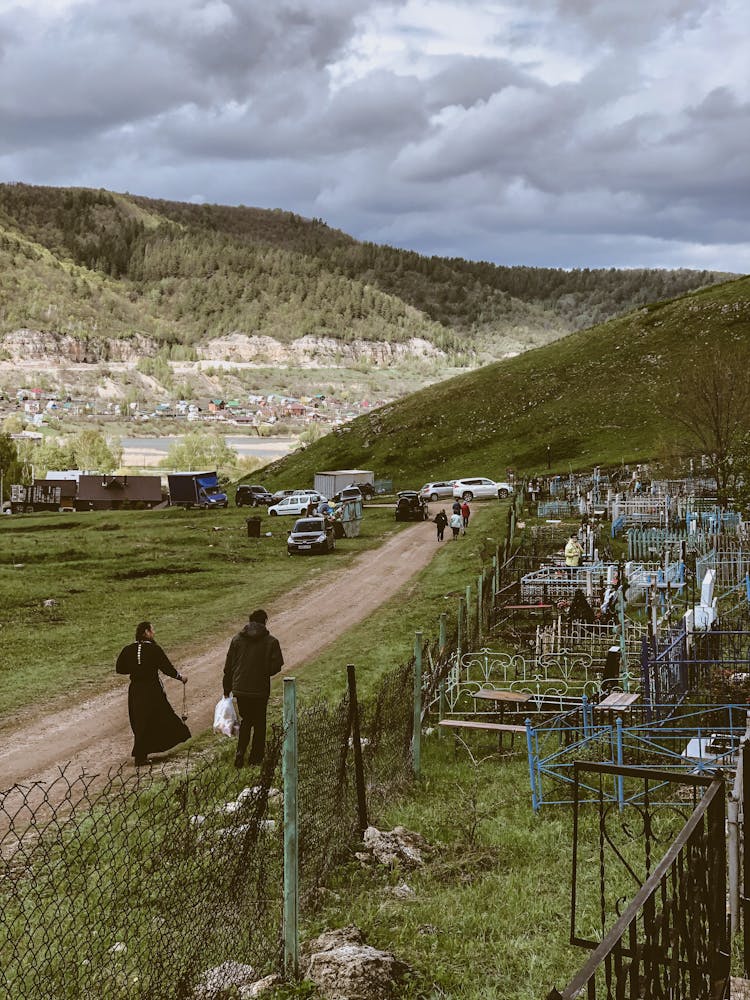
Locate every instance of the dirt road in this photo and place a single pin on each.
(95, 735)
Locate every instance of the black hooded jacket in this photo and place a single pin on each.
(254, 656)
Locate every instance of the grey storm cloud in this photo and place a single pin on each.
(566, 132)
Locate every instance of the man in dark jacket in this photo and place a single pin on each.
(254, 656)
(155, 725)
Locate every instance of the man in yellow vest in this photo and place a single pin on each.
(573, 552)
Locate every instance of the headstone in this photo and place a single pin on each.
(707, 588)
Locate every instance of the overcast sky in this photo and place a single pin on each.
(572, 133)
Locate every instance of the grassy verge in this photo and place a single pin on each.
(489, 913)
(386, 639)
(194, 573)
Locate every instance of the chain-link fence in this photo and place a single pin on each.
(134, 884)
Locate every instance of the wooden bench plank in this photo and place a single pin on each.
(515, 697)
(617, 701)
(494, 727)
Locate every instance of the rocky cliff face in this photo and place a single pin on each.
(314, 352)
(307, 352)
(58, 348)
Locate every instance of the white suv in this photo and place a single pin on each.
(438, 490)
(296, 504)
(480, 489)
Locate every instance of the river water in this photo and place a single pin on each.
(144, 452)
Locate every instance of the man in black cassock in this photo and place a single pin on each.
(155, 725)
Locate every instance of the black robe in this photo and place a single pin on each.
(155, 725)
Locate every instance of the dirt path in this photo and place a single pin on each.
(94, 735)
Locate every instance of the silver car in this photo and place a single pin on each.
(480, 488)
(438, 490)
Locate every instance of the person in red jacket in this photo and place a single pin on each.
(253, 657)
(465, 514)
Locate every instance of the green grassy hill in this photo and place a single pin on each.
(96, 264)
(605, 395)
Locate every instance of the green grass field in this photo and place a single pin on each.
(194, 573)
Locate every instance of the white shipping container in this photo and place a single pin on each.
(329, 483)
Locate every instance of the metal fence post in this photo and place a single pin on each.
(291, 831)
(441, 686)
(416, 739)
(745, 859)
(535, 803)
(624, 666)
(468, 615)
(460, 625)
(646, 677)
(480, 600)
(495, 580)
(359, 771)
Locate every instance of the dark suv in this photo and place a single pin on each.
(252, 496)
(410, 506)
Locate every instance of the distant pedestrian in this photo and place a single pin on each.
(155, 725)
(456, 506)
(573, 552)
(465, 514)
(254, 656)
(441, 523)
(456, 523)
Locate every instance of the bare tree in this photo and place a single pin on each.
(714, 406)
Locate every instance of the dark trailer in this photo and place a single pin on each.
(118, 492)
(45, 494)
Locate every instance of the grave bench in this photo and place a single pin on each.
(487, 727)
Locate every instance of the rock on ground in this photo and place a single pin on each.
(399, 845)
(343, 967)
(217, 982)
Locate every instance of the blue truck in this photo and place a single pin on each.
(196, 489)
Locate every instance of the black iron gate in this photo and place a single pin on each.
(670, 940)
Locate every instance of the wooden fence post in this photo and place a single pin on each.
(416, 740)
(359, 771)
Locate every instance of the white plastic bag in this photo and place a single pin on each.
(225, 718)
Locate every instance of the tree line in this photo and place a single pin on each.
(185, 272)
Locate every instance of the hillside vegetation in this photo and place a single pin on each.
(101, 265)
(607, 394)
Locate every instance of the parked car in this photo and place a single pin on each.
(252, 496)
(480, 489)
(280, 494)
(348, 493)
(410, 506)
(311, 534)
(366, 489)
(295, 504)
(438, 490)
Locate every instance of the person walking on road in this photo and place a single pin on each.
(441, 523)
(456, 506)
(456, 523)
(155, 725)
(465, 514)
(253, 657)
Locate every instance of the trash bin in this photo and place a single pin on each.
(253, 527)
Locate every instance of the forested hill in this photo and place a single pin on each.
(93, 263)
